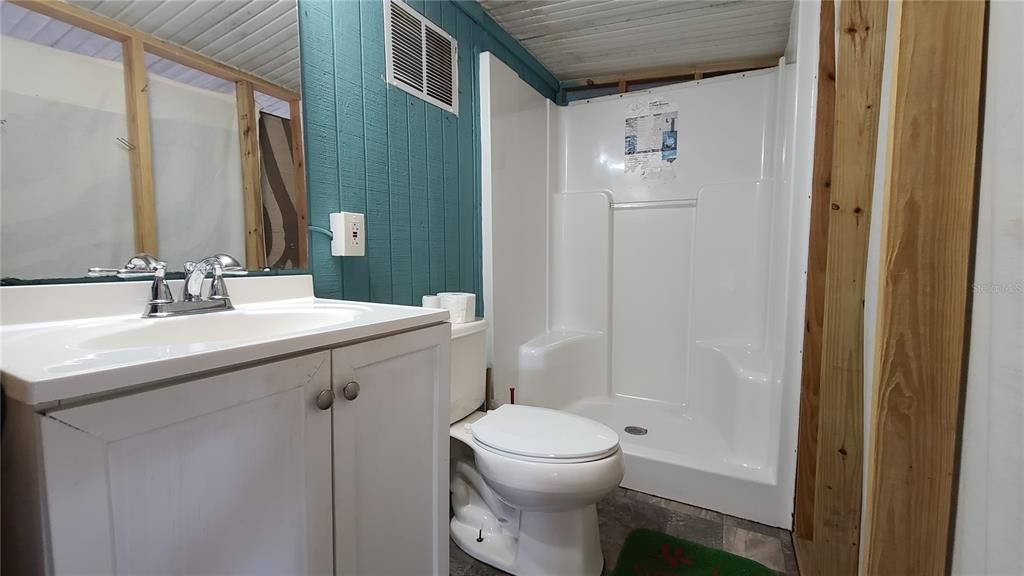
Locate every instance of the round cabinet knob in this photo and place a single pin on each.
(325, 399)
(350, 391)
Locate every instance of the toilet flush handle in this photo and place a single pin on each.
(351, 390)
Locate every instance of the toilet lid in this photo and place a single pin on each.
(544, 433)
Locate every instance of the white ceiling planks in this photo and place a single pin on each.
(576, 39)
(258, 36)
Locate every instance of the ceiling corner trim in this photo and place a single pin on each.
(580, 39)
(476, 13)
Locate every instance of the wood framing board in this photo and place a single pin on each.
(926, 256)
(805, 557)
(821, 184)
(109, 28)
(136, 97)
(299, 165)
(673, 72)
(252, 197)
(838, 475)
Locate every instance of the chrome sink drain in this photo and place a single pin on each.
(635, 430)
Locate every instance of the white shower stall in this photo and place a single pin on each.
(644, 266)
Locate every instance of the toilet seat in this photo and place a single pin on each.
(555, 460)
(541, 435)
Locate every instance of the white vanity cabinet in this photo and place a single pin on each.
(229, 474)
(391, 455)
(249, 471)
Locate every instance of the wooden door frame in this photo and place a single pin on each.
(926, 264)
(817, 257)
(830, 447)
(925, 267)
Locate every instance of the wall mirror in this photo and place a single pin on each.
(134, 126)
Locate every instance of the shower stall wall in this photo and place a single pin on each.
(674, 282)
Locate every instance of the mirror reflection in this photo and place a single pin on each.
(137, 127)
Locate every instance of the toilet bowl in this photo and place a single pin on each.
(525, 480)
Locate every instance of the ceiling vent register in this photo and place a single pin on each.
(422, 59)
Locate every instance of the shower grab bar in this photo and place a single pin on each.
(687, 203)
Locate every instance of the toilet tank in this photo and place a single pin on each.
(468, 368)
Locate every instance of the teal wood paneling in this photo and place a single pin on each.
(348, 64)
(320, 127)
(468, 142)
(480, 38)
(452, 244)
(435, 197)
(400, 197)
(435, 179)
(419, 198)
(412, 168)
(376, 135)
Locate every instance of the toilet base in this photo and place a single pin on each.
(546, 543)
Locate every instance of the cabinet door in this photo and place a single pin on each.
(391, 455)
(229, 474)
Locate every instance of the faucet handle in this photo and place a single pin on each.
(142, 265)
(160, 292)
(230, 265)
(229, 262)
(143, 262)
(218, 288)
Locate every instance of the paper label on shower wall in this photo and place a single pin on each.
(651, 139)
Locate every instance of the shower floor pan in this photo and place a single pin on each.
(683, 457)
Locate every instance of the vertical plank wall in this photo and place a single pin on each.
(412, 168)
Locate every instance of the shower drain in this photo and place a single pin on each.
(635, 430)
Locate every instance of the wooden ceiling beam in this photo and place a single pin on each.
(663, 72)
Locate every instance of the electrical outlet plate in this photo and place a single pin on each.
(349, 234)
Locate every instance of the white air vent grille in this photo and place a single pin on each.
(421, 58)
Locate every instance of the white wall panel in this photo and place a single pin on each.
(730, 263)
(795, 178)
(515, 153)
(651, 302)
(580, 261)
(722, 126)
(197, 174)
(990, 510)
(61, 150)
(66, 186)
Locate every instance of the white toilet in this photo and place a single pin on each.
(524, 480)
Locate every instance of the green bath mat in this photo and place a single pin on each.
(652, 553)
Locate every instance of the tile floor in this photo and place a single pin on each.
(625, 510)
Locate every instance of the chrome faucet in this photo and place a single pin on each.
(195, 273)
(161, 302)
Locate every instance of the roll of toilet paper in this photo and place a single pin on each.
(461, 306)
(431, 301)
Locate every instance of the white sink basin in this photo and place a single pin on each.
(65, 342)
(218, 327)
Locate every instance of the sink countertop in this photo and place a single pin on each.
(65, 342)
